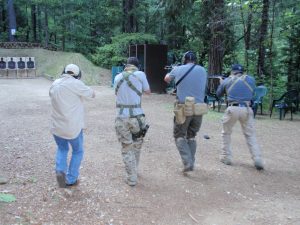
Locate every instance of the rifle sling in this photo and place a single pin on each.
(187, 72)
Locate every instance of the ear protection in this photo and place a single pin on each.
(78, 77)
(189, 56)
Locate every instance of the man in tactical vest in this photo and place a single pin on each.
(190, 80)
(239, 89)
(130, 121)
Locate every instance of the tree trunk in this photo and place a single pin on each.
(293, 63)
(129, 19)
(206, 15)
(46, 28)
(39, 23)
(216, 53)
(12, 23)
(290, 64)
(28, 24)
(247, 31)
(175, 26)
(2, 18)
(63, 37)
(54, 35)
(262, 38)
(271, 50)
(33, 22)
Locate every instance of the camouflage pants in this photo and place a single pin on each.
(131, 149)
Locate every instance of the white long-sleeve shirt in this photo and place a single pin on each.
(67, 95)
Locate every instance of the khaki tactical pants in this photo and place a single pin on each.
(131, 149)
(245, 116)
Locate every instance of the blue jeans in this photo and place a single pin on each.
(72, 172)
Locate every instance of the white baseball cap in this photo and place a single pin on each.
(72, 68)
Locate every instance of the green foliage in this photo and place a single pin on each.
(84, 25)
(290, 56)
(117, 52)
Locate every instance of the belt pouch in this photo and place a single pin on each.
(189, 106)
(200, 109)
(179, 113)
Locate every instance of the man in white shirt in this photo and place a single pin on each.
(130, 122)
(67, 121)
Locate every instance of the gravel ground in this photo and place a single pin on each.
(214, 194)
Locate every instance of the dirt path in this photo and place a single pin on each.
(214, 194)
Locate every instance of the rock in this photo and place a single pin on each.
(3, 180)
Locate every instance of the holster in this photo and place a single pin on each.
(141, 133)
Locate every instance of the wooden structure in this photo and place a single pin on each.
(153, 59)
(22, 45)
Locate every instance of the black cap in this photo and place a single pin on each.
(133, 61)
(189, 56)
(237, 67)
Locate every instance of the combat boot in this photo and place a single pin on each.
(258, 164)
(193, 146)
(226, 160)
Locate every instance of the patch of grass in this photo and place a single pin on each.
(7, 198)
(51, 63)
(213, 115)
(32, 180)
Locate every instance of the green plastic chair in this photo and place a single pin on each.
(289, 101)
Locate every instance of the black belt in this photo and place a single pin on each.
(238, 104)
(138, 116)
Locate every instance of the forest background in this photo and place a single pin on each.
(263, 35)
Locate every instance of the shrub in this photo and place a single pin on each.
(117, 52)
